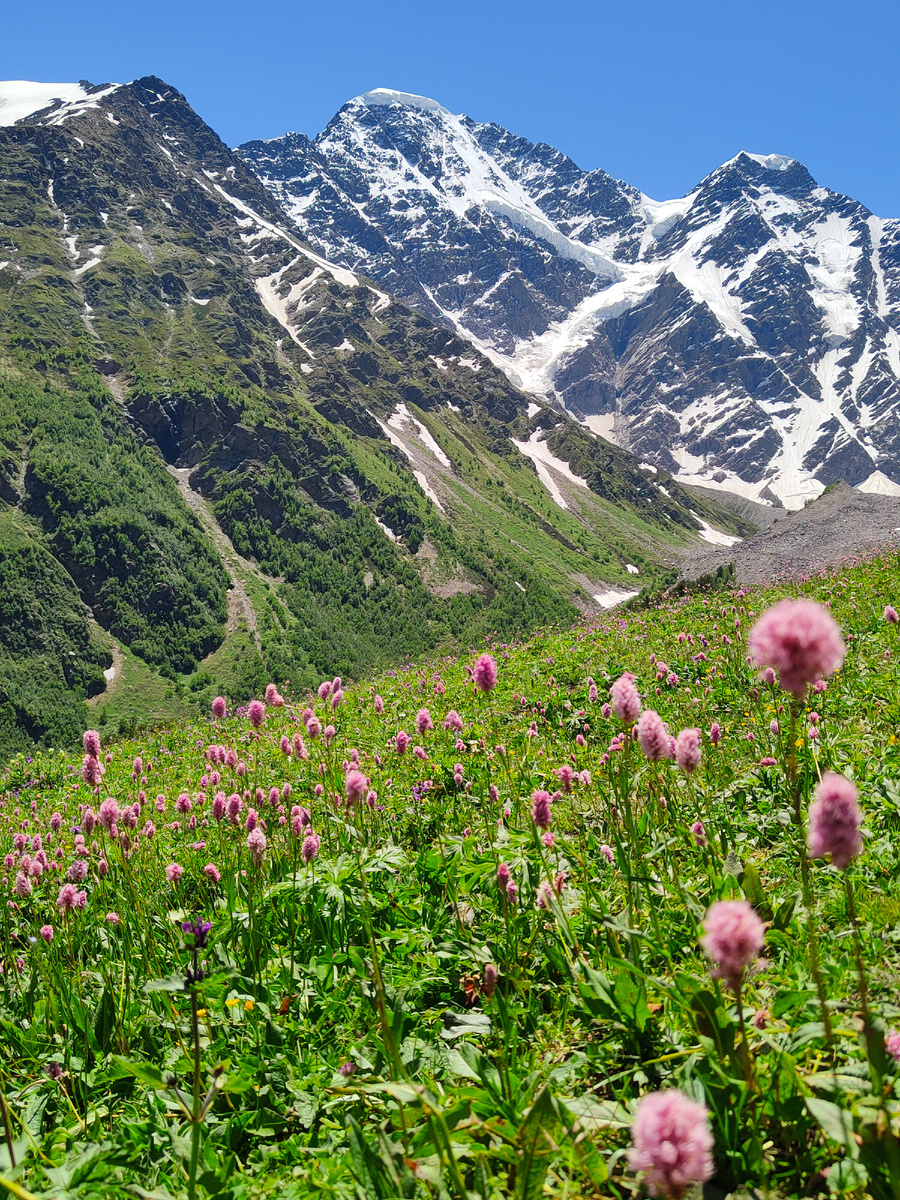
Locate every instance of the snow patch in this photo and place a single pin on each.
(878, 484)
(422, 481)
(613, 596)
(715, 536)
(631, 569)
(401, 416)
(385, 530)
(533, 409)
(20, 98)
(543, 460)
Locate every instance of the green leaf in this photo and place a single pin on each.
(836, 1123)
(148, 1074)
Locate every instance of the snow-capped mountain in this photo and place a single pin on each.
(746, 336)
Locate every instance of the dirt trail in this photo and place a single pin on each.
(239, 604)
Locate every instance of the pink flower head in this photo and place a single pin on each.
(91, 741)
(211, 871)
(671, 1143)
(834, 821)
(401, 741)
(91, 770)
(540, 809)
(801, 640)
(608, 853)
(656, 741)
(715, 733)
(256, 711)
(453, 721)
(687, 750)
(70, 898)
(379, 705)
(219, 707)
(174, 872)
(891, 1042)
(565, 775)
(47, 933)
(890, 614)
(113, 918)
(256, 844)
(355, 786)
(698, 829)
(109, 814)
(733, 937)
(273, 696)
(310, 848)
(504, 875)
(626, 703)
(485, 674)
(489, 979)
(423, 721)
(324, 689)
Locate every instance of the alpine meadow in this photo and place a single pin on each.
(449, 666)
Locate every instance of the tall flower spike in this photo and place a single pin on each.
(733, 937)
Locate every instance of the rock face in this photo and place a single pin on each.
(746, 336)
(390, 488)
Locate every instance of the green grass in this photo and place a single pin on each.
(345, 1021)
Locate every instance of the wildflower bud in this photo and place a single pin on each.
(503, 875)
(540, 809)
(489, 980)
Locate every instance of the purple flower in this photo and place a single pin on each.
(423, 721)
(801, 640)
(699, 831)
(834, 821)
(733, 937)
(91, 742)
(626, 703)
(489, 980)
(211, 871)
(256, 844)
(174, 872)
(892, 1045)
(485, 674)
(355, 786)
(199, 932)
(671, 1143)
(890, 614)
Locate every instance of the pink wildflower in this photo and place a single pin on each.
(485, 674)
(687, 750)
(733, 937)
(379, 705)
(626, 703)
(715, 733)
(256, 844)
(801, 640)
(489, 980)
(656, 741)
(91, 770)
(671, 1143)
(91, 742)
(423, 721)
(219, 707)
(47, 933)
(608, 853)
(256, 711)
(69, 898)
(834, 821)
(355, 786)
(698, 829)
(540, 809)
(211, 871)
(892, 1045)
(174, 872)
(890, 614)
(310, 848)
(113, 918)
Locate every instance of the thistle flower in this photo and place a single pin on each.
(801, 640)
(626, 703)
(485, 674)
(687, 750)
(655, 739)
(671, 1143)
(733, 937)
(219, 708)
(834, 821)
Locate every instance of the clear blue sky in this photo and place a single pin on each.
(658, 92)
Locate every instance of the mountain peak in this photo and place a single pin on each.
(386, 97)
(21, 98)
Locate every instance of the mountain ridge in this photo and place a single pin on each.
(785, 296)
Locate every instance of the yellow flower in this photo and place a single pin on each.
(201, 1012)
(798, 743)
(231, 1001)
(248, 1006)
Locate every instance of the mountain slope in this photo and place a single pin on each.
(384, 489)
(746, 336)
